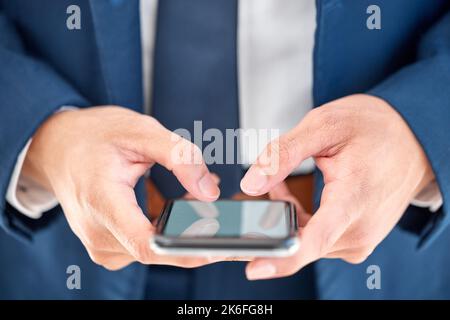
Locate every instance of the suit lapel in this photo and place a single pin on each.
(117, 36)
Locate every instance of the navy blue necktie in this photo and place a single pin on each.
(195, 78)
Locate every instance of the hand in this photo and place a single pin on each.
(91, 160)
(373, 166)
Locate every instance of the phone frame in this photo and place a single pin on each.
(226, 246)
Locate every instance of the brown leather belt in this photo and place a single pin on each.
(300, 186)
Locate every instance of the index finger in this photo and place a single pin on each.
(178, 155)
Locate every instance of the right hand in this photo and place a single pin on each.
(91, 160)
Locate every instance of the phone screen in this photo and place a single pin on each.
(228, 219)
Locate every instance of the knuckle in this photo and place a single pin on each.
(331, 120)
(355, 259)
(97, 257)
(333, 125)
(145, 123)
(288, 273)
(281, 151)
(345, 217)
(325, 117)
(91, 238)
(321, 242)
(287, 147)
(190, 263)
(360, 238)
(97, 243)
(94, 238)
(115, 266)
(107, 261)
(139, 250)
(325, 245)
(195, 154)
(363, 192)
(314, 114)
(151, 121)
(358, 256)
(185, 153)
(289, 270)
(90, 198)
(89, 243)
(366, 251)
(112, 267)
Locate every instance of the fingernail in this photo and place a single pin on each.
(208, 187)
(254, 180)
(261, 271)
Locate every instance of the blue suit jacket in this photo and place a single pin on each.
(44, 66)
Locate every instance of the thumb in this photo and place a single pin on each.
(183, 158)
(335, 214)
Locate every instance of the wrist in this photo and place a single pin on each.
(44, 151)
(423, 167)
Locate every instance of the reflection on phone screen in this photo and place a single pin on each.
(223, 218)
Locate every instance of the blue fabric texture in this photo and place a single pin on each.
(43, 66)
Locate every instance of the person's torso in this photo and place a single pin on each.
(348, 58)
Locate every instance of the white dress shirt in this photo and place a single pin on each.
(275, 58)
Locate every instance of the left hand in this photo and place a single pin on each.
(373, 166)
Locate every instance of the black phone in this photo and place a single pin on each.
(238, 228)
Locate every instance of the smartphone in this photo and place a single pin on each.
(236, 228)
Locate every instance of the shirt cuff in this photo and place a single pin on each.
(25, 195)
(430, 197)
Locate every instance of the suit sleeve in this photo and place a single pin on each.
(420, 92)
(30, 91)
